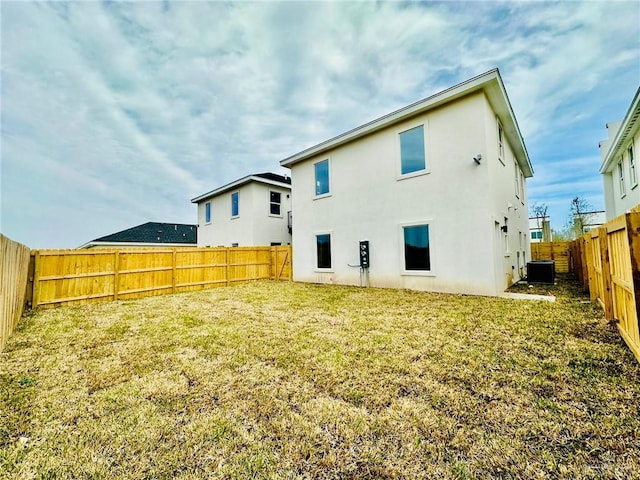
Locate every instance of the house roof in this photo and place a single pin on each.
(268, 178)
(151, 233)
(626, 130)
(490, 82)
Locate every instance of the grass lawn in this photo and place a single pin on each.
(279, 380)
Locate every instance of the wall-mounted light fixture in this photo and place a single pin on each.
(477, 159)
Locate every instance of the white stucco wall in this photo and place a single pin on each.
(368, 201)
(253, 226)
(615, 202)
(269, 228)
(507, 201)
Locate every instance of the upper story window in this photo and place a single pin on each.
(623, 187)
(417, 255)
(235, 204)
(207, 212)
(412, 151)
(274, 202)
(500, 143)
(517, 179)
(633, 176)
(322, 177)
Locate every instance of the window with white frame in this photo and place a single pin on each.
(321, 169)
(500, 143)
(521, 175)
(274, 202)
(417, 248)
(623, 187)
(633, 176)
(207, 212)
(517, 179)
(413, 156)
(235, 204)
(323, 251)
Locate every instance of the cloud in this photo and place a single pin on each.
(131, 108)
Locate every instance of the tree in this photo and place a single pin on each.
(581, 214)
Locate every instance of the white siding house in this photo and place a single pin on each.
(253, 210)
(437, 189)
(619, 169)
(539, 228)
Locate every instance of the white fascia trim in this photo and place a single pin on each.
(626, 128)
(490, 81)
(239, 183)
(135, 244)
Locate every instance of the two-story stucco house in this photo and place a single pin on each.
(254, 210)
(437, 189)
(619, 166)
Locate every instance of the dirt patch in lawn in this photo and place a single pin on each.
(280, 380)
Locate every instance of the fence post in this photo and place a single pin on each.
(583, 260)
(116, 274)
(36, 279)
(607, 294)
(173, 271)
(633, 233)
(228, 258)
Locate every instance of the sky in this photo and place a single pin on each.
(115, 114)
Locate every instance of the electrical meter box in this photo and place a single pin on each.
(364, 254)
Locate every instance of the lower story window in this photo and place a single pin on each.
(416, 248)
(323, 250)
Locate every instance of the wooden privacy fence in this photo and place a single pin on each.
(607, 262)
(81, 276)
(557, 251)
(14, 267)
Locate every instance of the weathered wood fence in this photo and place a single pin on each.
(557, 251)
(14, 266)
(82, 276)
(607, 262)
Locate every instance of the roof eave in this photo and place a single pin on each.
(133, 244)
(238, 183)
(626, 126)
(490, 82)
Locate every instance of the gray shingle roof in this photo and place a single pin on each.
(155, 232)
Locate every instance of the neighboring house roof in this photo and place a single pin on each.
(490, 82)
(626, 130)
(595, 218)
(268, 178)
(152, 233)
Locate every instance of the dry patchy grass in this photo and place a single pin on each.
(277, 380)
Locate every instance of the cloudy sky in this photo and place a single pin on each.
(115, 114)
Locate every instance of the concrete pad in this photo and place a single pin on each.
(527, 296)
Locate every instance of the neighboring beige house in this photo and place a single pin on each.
(540, 229)
(254, 210)
(437, 190)
(619, 167)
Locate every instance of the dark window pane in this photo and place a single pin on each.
(274, 199)
(412, 150)
(416, 248)
(207, 214)
(323, 244)
(322, 177)
(235, 207)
